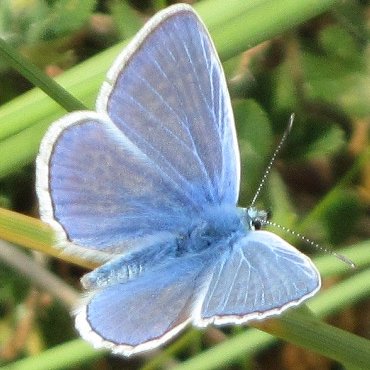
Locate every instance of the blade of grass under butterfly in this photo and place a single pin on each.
(32, 233)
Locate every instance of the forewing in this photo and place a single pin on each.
(167, 150)
(167, 93)
(145, 312)
(262, 275)
(102, 194)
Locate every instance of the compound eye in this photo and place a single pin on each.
(257, 224)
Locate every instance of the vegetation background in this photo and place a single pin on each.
(309, 57)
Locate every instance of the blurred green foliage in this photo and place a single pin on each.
(319, 71)
(41, 28)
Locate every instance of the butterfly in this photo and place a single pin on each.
(148, 186)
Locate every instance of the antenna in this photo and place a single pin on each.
(272, 160)
(313, 244)
(286, 229)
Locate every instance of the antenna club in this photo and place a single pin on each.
(290, 123)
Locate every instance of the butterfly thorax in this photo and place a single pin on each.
(219, 225)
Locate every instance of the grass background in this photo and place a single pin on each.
(309, 57)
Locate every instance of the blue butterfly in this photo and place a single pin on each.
(149, 184)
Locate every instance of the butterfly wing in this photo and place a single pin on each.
(259, 276)
(262, 275)
(161, 148)
(145, 312)
(167, 93)
(98, 191)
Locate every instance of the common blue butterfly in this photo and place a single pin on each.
(148, 185)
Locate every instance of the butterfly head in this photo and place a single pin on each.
(254, 218)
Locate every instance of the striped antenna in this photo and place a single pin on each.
(272, 160)
(308, 241)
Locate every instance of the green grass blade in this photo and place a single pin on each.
(38, 78)
(63, 356)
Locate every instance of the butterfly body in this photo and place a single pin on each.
(148, 185)
(216, 230)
